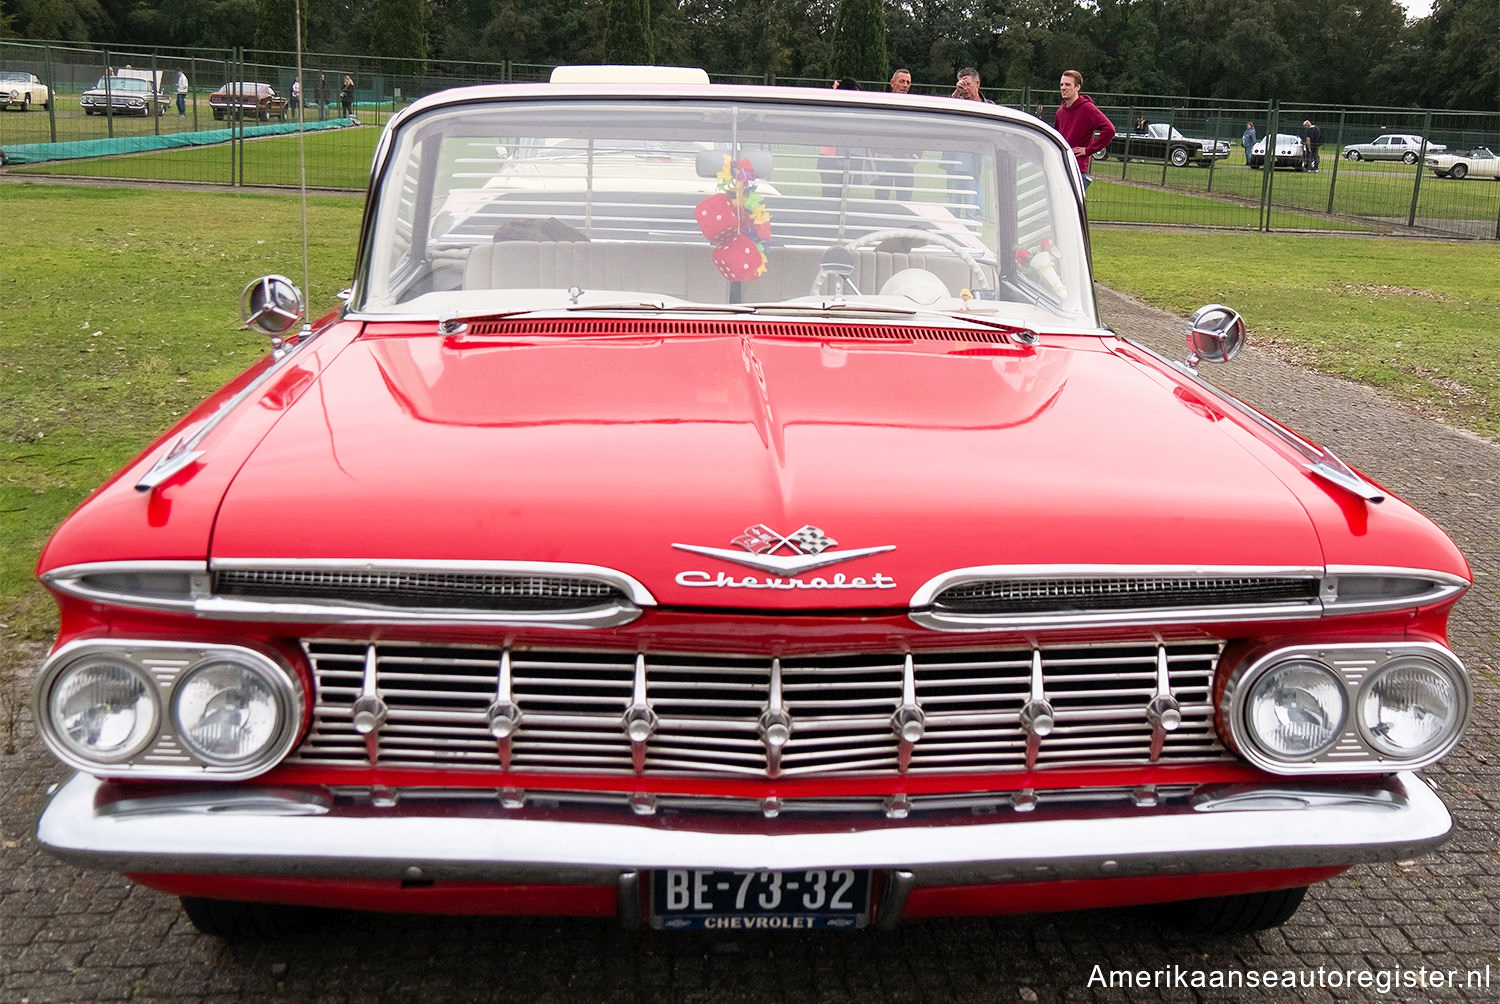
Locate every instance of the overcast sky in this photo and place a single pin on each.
(1417, 8)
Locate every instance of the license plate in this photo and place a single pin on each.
(816, 899)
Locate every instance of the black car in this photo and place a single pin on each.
(1160, 141)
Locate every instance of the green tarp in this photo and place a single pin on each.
(36, 153)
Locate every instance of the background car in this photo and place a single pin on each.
(23, 89)
(1289, 152)
(259, 100)
(127, 95)
(1479, 162)
(1160, 141)
(1392, 146)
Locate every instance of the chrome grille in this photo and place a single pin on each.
(426, 589)
(1095, 593)
(708, 709)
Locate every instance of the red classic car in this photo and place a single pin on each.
(243, 99)
(672, 527)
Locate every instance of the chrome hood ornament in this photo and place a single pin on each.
(806, 547)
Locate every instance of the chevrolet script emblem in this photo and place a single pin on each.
(799, 551)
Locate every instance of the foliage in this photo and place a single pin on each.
(398, 30)
(1325, 51)
(627, 31)
(859, 41)
(275, 30)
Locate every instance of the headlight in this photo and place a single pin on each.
(167, 709)
(104, 709)
(1297, 709)
(227, 713)
(1410, 708)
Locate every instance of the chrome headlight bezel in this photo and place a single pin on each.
(165, 665)
(1357, 667)
(1452, 728)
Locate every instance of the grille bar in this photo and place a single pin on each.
(737, 715)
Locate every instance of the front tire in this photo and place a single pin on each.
(25, 103)
(236, 921)
(1460, 171)
(1255, 911)
(1353, 155)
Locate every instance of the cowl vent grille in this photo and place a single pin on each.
(419, 589)
(653, 328)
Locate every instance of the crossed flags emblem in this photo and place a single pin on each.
(761, 539)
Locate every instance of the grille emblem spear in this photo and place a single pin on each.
(639, 721)
(775, 723)
(1037, 717)
(909, 721)
(504, 715)
(369, 711)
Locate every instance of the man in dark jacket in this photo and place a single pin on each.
(1080, 121)
(1312, 138)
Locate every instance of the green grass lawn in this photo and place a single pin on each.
(1375, 190)
(119, 310)
(1414, 318)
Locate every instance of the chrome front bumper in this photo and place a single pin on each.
(489, 837)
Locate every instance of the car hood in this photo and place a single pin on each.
(651, 455)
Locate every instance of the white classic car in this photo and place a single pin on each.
(23, 89)
(1479, 162)
(1392, 146)
(1289, 152)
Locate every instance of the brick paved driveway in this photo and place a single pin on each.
(71, 935)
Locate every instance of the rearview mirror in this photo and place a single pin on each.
(1216, 334)
(711, 162)
(272, 305)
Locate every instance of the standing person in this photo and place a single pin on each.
(963, 167)
(320, 95)
(346, 95)
(897, 166)
(1247, 139)
(182, 89)
(1081, 123)
(296, 95)
(1312, 138)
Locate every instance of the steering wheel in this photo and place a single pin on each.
(981, 281)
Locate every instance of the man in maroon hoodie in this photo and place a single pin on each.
(1080, 121)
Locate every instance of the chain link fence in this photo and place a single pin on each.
(1176, 161)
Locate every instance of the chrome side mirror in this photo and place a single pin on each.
(1216, 334)
(272, 305)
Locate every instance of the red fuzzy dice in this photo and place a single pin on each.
(717, 218)
(739, 260)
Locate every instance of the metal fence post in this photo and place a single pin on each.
(1416, 188)
(109, 97)
(1125, 156)
(1166, 158)
(152, 108)
(1268, 167)
(193, 94)
(1338, 148)
(52, 93)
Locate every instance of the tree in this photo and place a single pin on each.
(398, 31)
(627, 31)
(859, 41)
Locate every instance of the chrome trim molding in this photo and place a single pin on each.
(199, 599)
(165, 664)
(1353, 664)
(1319, 461)
(1323, 600)
(184, 450)
(473, 837)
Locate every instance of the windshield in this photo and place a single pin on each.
(13, 76)
(121, 84)
(514, 205)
